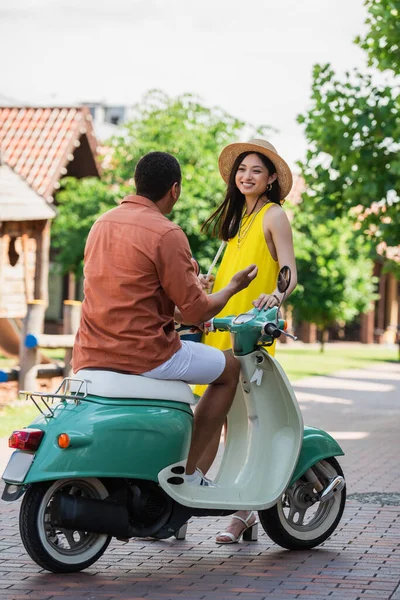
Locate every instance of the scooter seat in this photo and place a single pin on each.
(110, 384)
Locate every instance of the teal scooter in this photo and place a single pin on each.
(106, 456)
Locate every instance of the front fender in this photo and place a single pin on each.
(317, 445)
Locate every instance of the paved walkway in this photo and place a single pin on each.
(361, 560)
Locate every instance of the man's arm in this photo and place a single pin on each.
(180, 282)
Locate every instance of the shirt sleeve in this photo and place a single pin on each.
(178, 278)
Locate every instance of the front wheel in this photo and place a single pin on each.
(297, 521)
(54, 549)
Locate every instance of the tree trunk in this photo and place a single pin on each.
(324, 338)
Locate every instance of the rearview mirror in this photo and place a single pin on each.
(284, 277)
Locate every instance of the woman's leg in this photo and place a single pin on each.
(244, 520)
(208, 456)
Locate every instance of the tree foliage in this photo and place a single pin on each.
(183, 126)
(334, 270)
(80, 203)
(382, 41)
(352, 167)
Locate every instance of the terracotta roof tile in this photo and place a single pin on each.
(38, 143)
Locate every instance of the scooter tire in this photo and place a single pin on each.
(279, 529)
(34, 537)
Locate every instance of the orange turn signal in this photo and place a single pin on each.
(285, 325)
(63, 440)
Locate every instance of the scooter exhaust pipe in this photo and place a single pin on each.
(94, 516)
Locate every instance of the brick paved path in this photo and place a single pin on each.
(361, 560)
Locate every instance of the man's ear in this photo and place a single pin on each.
(176, 191)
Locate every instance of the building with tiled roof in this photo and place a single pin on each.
(38, 147)
(42, 145)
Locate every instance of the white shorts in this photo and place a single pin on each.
(193, 363)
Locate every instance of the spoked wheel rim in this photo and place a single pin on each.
(302, 515)
(67, 546)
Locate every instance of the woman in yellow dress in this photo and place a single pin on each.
(253, 223)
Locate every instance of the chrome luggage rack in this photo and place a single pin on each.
(63, 392)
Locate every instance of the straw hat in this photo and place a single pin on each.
(231, 152)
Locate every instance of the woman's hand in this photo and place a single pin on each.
(265, 301)
(206, 282)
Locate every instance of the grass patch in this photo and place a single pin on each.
(16, 416)
(55, 354)
(305, 362)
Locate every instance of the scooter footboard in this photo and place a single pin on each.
(317, 445)
(265, 433)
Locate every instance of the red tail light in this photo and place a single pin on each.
(26, 439)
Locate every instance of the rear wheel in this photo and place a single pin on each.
(55, 549)
(298, 521)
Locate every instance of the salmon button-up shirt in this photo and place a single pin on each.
(137, 269)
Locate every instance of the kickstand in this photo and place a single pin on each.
(181, 533)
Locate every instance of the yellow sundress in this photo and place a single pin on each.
(253, 249)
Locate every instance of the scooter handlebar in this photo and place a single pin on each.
(272, 330)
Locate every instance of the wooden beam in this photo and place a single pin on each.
(42, 372)
(45, 340)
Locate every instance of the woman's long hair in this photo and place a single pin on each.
(225, 220)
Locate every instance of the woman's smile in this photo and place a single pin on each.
(252, 176)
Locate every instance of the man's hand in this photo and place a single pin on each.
(218, 300)
(243, 278)
(206, 282)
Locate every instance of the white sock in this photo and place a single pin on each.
(193, 477)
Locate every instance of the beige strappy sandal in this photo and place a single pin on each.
(249, 532)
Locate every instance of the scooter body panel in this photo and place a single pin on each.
(265, 433)
(111, 438)
(317, 445)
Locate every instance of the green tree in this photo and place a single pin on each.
(183, 126)
(334, 271)
(80, 203)
(382, 41)
(352, 166)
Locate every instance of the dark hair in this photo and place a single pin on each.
(226, 219)
(155, 174)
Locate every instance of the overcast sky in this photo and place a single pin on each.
(251, 57)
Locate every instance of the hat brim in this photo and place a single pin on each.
(230, 153)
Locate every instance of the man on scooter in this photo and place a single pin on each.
(138, 271)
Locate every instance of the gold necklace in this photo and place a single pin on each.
(245, 228)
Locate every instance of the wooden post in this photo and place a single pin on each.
(71, 317)
(24, 241)
(367, 327)
(392, 309)
(380, 310)
(30, 357)
(4, 244)
(71, 286)
(42, 263)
